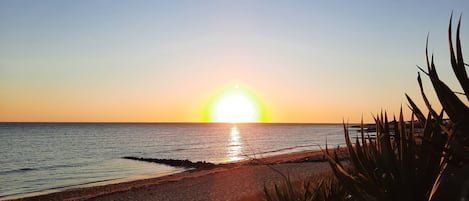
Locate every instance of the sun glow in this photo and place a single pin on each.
(235, 106)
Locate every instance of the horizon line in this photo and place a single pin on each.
(170, 122)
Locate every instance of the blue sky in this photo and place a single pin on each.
(308, 61)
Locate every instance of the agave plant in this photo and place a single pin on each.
(392, 166)
(403, 164)
(453, 183)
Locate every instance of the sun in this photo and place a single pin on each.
(235, 106)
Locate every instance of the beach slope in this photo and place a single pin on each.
(234, 181)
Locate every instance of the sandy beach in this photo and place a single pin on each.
(242, 180)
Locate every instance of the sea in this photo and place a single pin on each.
(37, 158)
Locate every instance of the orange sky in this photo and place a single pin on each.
(318, 62)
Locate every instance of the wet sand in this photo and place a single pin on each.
(243, 180)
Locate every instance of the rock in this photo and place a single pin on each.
(175, 162)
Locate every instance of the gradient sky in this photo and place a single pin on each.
(306, 61)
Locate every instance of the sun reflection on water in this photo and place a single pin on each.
(235, 146)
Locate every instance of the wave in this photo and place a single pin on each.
(285, 149)
(177, 150)
(21, 170)
(44, 168)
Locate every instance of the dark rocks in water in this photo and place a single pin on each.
(320, 158)
(176, 163)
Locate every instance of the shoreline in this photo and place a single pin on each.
(100, 192)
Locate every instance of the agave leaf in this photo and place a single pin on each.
(342, 174)
(427, 58)
(446, 130)
(352, 153)
(290, 191)
(455, 109)
(423, 71)
(412, 131)
(428, 128)
(280, 195)
(415, 109)
(371, 188)
(267, 194)
(367, 165)
(413, 161)
(387, 150)
(348, 181)
(307, 193)
(436, 184)
(386, 122)
(457, 61)
(400, 129)
(362, 134)
(425, 99)
(428, 158)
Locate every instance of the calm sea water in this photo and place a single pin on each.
(38, 157)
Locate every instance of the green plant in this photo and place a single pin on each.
(403, 164)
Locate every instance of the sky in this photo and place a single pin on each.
(164, 61)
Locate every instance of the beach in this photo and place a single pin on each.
(244, 180)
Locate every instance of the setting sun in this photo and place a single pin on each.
(235, 105)
(235, 108)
